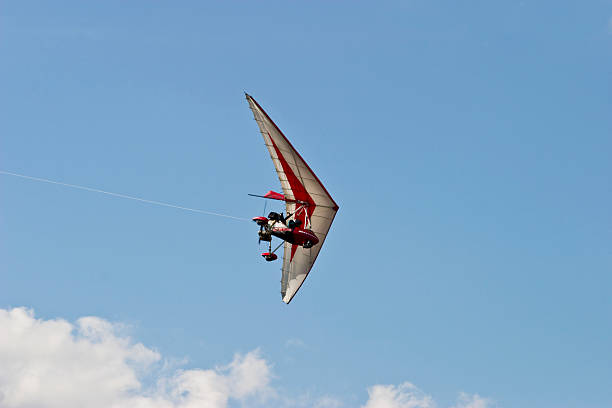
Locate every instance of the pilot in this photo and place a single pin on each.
(274, 216)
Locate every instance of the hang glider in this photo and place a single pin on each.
(310, 209)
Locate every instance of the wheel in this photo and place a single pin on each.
(269, 256)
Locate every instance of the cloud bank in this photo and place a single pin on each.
(90, 363)
(53, 363)
(407, 395)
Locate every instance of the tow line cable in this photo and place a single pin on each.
(95, 190)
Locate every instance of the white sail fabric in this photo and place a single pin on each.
(299, 183)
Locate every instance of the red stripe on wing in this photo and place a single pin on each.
(299, 192)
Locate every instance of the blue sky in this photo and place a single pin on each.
(468, 146)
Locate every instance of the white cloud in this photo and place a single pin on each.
(294, 342)
(405, 395)
(53, 363)
(473, 401)
(328, 402)
(92, 363)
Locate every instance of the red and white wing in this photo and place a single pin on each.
(299, 183)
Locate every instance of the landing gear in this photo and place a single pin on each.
(265, 235)
(308, 244)
(269, 256)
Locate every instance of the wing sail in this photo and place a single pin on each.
(300, 185)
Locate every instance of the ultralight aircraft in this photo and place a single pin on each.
(310, 209)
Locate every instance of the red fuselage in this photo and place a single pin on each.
(286, 231)
(296, 236)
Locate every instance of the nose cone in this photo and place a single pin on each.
(310, 236)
